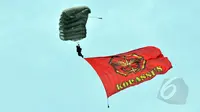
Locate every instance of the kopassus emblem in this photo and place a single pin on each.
(127, 64)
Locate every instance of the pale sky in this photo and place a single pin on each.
(41, 73)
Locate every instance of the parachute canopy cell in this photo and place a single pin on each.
(72, 25)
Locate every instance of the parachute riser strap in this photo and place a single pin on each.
(77, 42)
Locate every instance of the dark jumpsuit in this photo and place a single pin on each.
(79, 49)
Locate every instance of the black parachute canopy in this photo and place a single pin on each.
(72, 25)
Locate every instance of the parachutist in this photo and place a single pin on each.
(79, 49)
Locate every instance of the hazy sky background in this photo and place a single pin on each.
(41, 73)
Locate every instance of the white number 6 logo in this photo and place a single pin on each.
(167, 85)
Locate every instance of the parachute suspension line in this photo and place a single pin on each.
(95, 17)
(77, 42)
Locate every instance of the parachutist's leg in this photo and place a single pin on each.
(79, 54)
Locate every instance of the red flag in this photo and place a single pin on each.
(124, 70)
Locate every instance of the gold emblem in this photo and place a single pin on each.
(127, 64)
